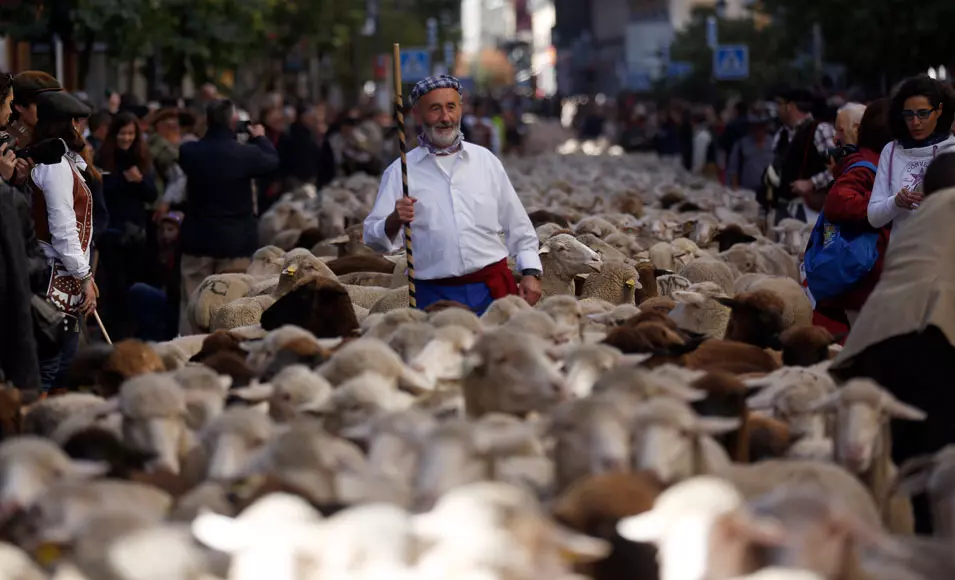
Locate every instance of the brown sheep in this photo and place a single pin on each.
(317, 304)
(593, 506)
(353, 264)
(631, 204)
(731, 356)
(664, 319)
(726, 397)
(769, 438)
(756, 318)
(542, 216)
(654, 338)
(219, 341)
(805, 346)
(647, 274)
(732, 235)
(232, 365)
(130, 358)
(309, 237)
(298, 351)
(663, 304)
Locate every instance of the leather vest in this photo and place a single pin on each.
(82, 207)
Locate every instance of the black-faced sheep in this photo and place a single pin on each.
(318, 304)
(732, 235)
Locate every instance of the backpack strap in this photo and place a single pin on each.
(867, 164)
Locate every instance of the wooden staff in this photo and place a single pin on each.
(402, 147)
(99, 322)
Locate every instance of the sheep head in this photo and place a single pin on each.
(668, 438)
(862, 409)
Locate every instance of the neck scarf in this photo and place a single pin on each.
(934, 139)
(454, 147)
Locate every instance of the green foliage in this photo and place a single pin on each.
(871, 38)
(766, 66)
(206, 36)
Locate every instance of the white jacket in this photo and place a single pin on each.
(56, 182)
(900, 168)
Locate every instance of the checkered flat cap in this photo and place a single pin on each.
(434, 83)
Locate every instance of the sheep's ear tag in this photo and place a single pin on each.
(48, 554)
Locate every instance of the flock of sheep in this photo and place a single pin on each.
(664, 412)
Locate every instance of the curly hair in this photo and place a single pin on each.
(938, 95)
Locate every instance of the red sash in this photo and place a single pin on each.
(497, 277)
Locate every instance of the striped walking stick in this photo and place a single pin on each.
(402, 148)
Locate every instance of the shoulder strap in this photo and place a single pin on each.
(867, 164)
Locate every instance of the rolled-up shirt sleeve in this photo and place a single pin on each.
(56, 182)
(388, 193)
(519, 234)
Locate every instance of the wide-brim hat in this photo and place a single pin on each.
(60, 106)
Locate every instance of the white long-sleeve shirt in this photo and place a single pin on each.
(459, 214)
(56, 182)
(898, 168)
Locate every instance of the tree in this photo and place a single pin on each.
(879, 41)
(766, 67)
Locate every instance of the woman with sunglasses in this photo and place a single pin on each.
(920, 118)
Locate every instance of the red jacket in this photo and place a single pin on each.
(848, 203)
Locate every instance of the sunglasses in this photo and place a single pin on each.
(922, 114)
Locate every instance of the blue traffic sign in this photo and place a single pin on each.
(679, 69)
(731, 62)
(415, 64)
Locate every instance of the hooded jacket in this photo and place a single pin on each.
(900, 167)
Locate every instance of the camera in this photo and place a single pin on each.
(46, 152)
(837, 154)
(242, 127)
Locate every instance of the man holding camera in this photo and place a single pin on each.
(220, 230)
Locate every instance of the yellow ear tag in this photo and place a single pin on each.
(48, 554)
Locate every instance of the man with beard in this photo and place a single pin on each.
(461, 199)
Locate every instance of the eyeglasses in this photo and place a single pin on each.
(922, 114)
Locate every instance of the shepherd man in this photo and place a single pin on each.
(460, 201)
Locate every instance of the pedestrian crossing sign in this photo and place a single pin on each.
(731, 62)
(415, 64)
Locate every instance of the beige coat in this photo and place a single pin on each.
(917, 287)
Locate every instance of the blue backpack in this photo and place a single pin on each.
(837, 258)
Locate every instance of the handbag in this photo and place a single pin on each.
(50, 325)
(837, 257)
